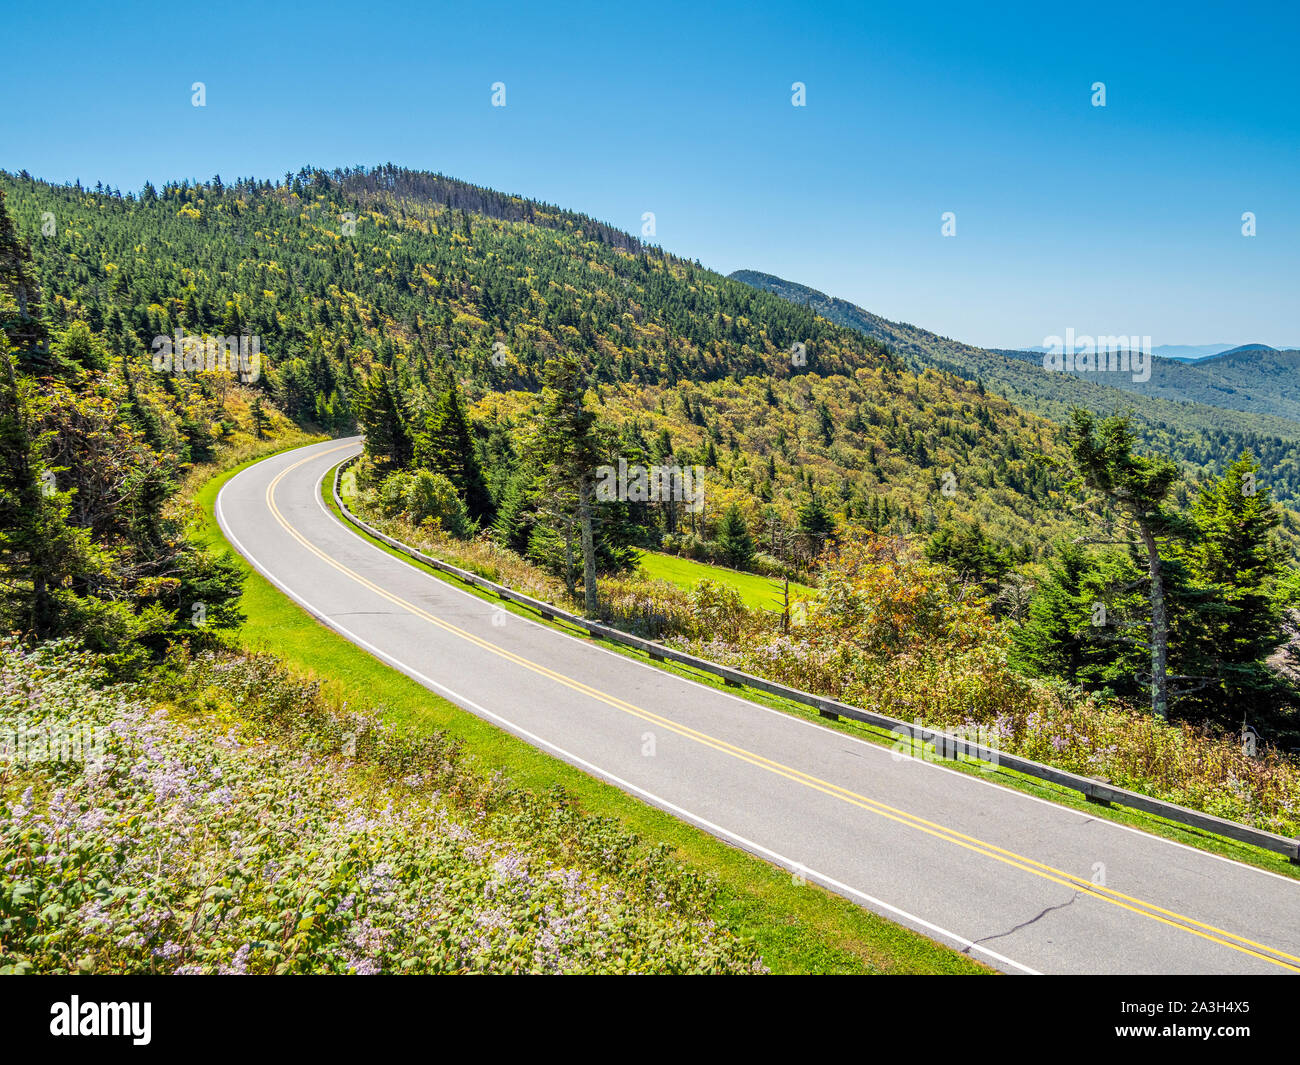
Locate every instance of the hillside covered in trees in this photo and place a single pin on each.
(343, 272)
(1204, 414)
(499, 353)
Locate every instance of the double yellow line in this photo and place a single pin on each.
(1017, 861)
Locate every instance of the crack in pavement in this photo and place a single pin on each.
(1024, 924)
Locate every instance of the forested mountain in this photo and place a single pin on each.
(341, 272)
(778, 394)
(1254, 379)
(1204, 414)
(342, 268)
(497, 352)
(896, 452)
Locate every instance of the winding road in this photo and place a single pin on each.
(1018, 882)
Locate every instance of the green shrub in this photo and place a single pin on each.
(431, 497)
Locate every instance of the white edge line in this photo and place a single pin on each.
(655, 800)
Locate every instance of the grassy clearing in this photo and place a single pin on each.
(797, 928)
(757, 592)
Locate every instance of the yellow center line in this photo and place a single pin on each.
(1017, 861)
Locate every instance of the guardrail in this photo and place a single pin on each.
(946, 745)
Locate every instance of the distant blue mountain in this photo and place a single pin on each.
(1250, 392)
(1190, 352)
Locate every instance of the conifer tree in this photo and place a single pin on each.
(1138, 486)
(446, 446)
(384, 422)
(21, 313)
(734, 539)
(39, 552)
(816, 524)
(568, 449)
(1236, 554)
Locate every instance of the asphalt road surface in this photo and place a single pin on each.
(1017, 882)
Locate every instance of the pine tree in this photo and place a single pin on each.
(734, 539)
(1137, 485)
(39, 551)
(515, 516)
(384, 422)
(825, 424)
(446, 446)
(966, 549)
(816, 524)
(139, 413)
(1051, 640)
(78, 344)
(259, 417)
(1236, 554)
(567, 447)
(21, 313)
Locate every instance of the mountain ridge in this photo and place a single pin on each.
(1206, 419)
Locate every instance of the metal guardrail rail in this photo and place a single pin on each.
(946, 744)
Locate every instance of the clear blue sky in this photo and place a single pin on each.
(1115, 220)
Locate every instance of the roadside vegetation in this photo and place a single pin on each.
(229, 821)
(560, 408)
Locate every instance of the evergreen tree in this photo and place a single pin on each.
(1236, 554)
(21, 313)
(734, 539)
(446, 446)
(384, 422)
(816, 524)
(966, 549)
(515, 515)
(1137, 485)
(78, 344)
(1081, 621)
(259, 417)
(566, 445)
(139, 413)
(40, 552)
(825, 424)
(1051, 640)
